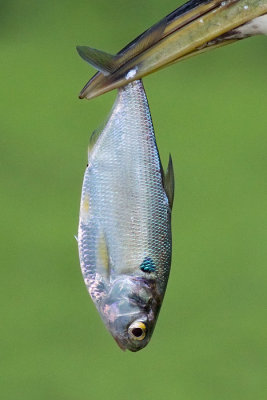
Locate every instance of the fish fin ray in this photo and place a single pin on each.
(102, 61)
(169, 182)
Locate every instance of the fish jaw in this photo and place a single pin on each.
(131, 300)
(190, 30)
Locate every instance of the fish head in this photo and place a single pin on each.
(130, 311)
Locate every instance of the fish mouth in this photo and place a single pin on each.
(193, 28)
(125, 347)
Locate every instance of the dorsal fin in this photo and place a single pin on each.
(103, 62)
(168, 182)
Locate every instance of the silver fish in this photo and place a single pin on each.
(124, 235)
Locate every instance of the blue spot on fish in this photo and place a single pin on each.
(148, 265)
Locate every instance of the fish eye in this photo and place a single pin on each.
(137, 330)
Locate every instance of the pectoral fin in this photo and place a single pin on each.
(168, 182)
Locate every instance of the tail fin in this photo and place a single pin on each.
(103, 62)
(107, 63)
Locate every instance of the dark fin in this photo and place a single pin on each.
(168, 182)
(103, 62)
(142, 42)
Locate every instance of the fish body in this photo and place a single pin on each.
(124, 234)
(193, 28)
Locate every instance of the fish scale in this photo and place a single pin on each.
(125, 217)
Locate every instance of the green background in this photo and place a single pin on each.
(210, 111)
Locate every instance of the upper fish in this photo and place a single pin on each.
(193, 28)
(124, 234)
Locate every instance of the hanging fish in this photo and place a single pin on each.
(124, 235)
(195, 27)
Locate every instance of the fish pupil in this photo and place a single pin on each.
(137, 332)
(147, 265)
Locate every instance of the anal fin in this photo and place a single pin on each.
(168, 182)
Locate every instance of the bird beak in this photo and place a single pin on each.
(194, 28)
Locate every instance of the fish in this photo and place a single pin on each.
(193, 28)
(124, 233)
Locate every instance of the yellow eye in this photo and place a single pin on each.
(137, 330)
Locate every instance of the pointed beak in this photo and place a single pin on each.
(194, 28)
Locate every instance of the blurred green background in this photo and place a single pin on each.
(210, 111)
